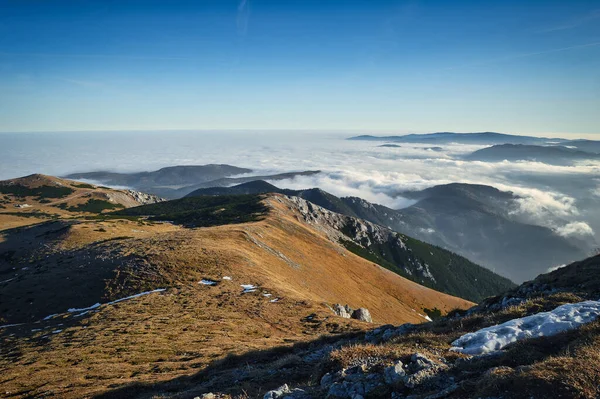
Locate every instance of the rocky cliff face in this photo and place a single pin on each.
(369, 236)
(143, 198)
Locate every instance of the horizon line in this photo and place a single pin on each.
(389, 132)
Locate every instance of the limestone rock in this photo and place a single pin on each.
(395, 373)
(362, 314)
(342, 311)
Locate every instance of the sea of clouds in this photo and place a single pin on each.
(563, 198)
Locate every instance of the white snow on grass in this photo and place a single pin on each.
(207, 282)
(136, 296)
(10, 325)
(83, 311)
(248, 288)
(75, 310)
(274, 300)
(563, 318)
(227, 278)
(267, 295)
(56, 331)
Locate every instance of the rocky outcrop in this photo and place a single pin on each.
(362, 314)
(387, 332)
(372, 237)
(347, 312)
(143, 198)
(371, 380)
(342, 311)
(285, 392)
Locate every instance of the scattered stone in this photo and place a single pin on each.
(342, 311)
(278, 393)
(395, 373)
(420, 362)
(327, 380)
(285, 392)
(385, 333)
(338, 390)
(366, 362)
(508, 302)
(443, 393)
(362, 314)
(318, 354)
(375, 386)
(428, 377)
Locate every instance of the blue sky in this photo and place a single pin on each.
(530, 67)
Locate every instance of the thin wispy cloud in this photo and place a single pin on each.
(573, 23)
(103, 56)
(243, 17)
(82, 83)
(524, 55)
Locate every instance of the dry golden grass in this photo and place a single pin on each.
(189, 328)
(566, 365)
(50, 208)
(562, 366)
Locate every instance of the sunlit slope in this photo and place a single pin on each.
(68, 287)
(34, 198)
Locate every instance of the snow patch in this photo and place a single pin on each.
(10, 325)
(136, 296)
(83, 311)
(227, 278)
(563, 318)
(76, 310)
(207, 282)
(248, 288)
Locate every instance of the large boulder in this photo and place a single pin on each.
(362, 314)
(342, 311)
(394, 374)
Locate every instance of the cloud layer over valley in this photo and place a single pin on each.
(559, 197)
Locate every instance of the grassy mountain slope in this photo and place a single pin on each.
(36, 198)
(423, 263)
(426, 264)
(564, 365)
(77, 261)
(202, 211)
(475, 221)
(416, 260)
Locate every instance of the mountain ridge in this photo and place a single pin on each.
(483, 138)
(164, 300)
(177, 181)
(554, 155)
(483, 215)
